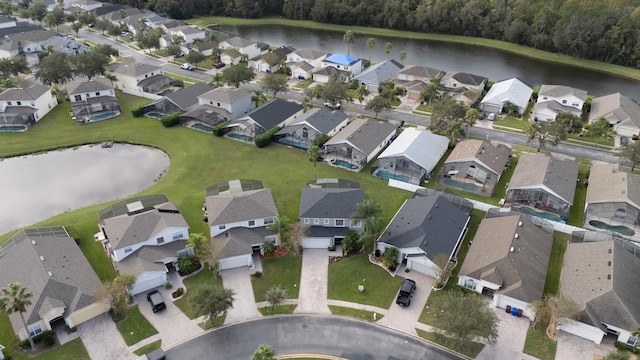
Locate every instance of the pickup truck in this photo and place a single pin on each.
(156, 301)
(406, 292)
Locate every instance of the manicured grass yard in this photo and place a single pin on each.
(539, 345)
(135, 327)
(552, 282)
(355, 313)
(279, 309)
(511, 122)
(576, 215)
(346, 274)
(471, 350)
(283, 271)
(204, 278)
(148, 348)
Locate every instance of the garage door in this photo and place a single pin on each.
(149, 284)
(235, 262)
(316, 243)
(420, 267)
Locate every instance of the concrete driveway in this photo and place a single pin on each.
(576, 348)
(172, 324)
(405, 318)
(512, 333)
(312, 298)
(244, 305)
(102, 340)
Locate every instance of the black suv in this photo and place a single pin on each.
(155, 298)
(406, 292)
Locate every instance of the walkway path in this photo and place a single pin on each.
(312, 298)
(244, 305)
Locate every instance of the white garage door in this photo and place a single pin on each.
(235, 262)
(316, 243)
(149, 284)
(421, 267)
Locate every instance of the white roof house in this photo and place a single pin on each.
(512, 90)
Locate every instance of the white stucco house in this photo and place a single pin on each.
(512, 90)
(556, 99)
(26, 105)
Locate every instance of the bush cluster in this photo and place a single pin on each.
(265, 139)
(46, 337)
(171, 120)
(217, 130)
(137, 112)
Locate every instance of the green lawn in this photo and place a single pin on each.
(552, 282)
(576, 214)
(355, 313)
(283, 271)
(602, 143)
(198, 161)
(471, 349)
(303, 84)
(346, 274)
(135, 326)
(276, 310)
(192, 284)
(187, 80)
(207, 64)
(511, 122)
(539, 345)
(148, 348)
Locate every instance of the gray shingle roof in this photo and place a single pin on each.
(135, 70)
(237, 241)
(226, 96)
(186, 97)
(320, 119)
(543, 171)
(364, 134)
(86, 86)
(230, 207)
(469, 79)
(272, 113)
(309, 54)
(379, 72)
(150, 258)
(329, 202)
(239, 42)
(521, 274)
(561, 90)
(72, 281)
(494, 157)
(421, 71)
(31, 92)
(431, 223)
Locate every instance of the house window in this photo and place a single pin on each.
(620, 213)
(19, 103)
(128, 249)
(35, 330)
(145, 76)
(469, 284)
(177, 235)
(9, 103)
(183, 252)
(339, 222)
(33, 104)
(97, 93)
(632, 340)
(316, 221)
(306, 221)
(88, 95)
(305, 133)
(218, 104)
(252, 223)
(210, 102)
(356, 223)
(544, 98)
(564, 101)
(77, 97)
(326, 221)
(222, 227)
(576, 104)
(268, 221)
(160, 240)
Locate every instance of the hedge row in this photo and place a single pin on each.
(265, 139)
(45, 336)
(217, 130)
(171, 120)
(137, 112)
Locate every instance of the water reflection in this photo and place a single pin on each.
(36, 187)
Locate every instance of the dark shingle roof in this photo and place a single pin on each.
(329, 202)
(322, 120)
(185, 98)
(273, 113)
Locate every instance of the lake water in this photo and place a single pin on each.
(36, 187)
(493, 64)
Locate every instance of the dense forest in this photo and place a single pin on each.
(607, 31)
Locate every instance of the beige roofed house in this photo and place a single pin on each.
(545, 182)
(623, 113)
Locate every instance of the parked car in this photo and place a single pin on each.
(481, 116)
(492, 117)
(124, 34)
(187, 66)
(180, 54)
(219, 65)
(337, 105)
(157, 302)
(405, 294)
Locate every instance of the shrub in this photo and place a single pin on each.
(266, 138)
(137, 112)
(186, 264)
(48, 340)
(390, 257)
(168, 285)
(626, 347)
(321, 139)
(257, 274)
(269, 248)
(177, 83)
(171, 120)
(180, 291)
(217, 130)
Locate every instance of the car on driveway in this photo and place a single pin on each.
(492, 117)
(187, 66)
(337, 105)
(219, 65)
(155, 299)
(407, 289)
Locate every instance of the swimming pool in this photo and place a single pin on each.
(202, 127)
(154, 114)
(540, 214)
(103, 116)
(13, 128)
(344, 164)
(461, 185)
(293, 143)
(239, 136)
(387, 175)
(621, 229)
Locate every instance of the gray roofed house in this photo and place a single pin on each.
(602, 278)
(310, 54)
(218, 105)
(239, 42)
(260, 120)
(512, 90)
(238, 207)
(151, 258)
(49, 263)
(378, 73)
(424, 227)
(225, 95)
(32, 92)
(549, 110)
(25, 105)
(556, 99)
(545, 182)
(558, 91)
(87, 86)
(238, 242)
(360, 141)
(417, 72)
(622, 112)
(310, 125)
(509, 257)
(179, 100)
(467, 80)
(93, 100)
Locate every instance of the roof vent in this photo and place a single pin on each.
(41, 258)
(512, 249)
(436, 205)
(33, 242)
(520, 223)
(429, 216)
(516, 236)
(50, 274)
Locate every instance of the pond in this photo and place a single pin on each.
(36, 187)
(491, 63)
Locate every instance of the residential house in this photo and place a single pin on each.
(231, 56)
(427, 227)
(456, 80)
(602, 278)
(328, 211)
(316, 122)
(141, 77)
(22, 107)
(417, 73)
(85, 5)
(412, 156)
(238, 212)
(271, 61)
(310, 56)
(325, 74)
(358, 143)
(508, 260)
(348, 66)
(144, 236)
(556, 99)
(49, 263)
(378, 73)
(181, 100)
(123, 16)
(92, 100)
(248, 48)
(218, 105)
(7, 22)
(613, 201)
(258, 121)
(35, 42)
(301, 70)
(206, 47)
(188, 33)
(414, 89)
(543, 182)
(475, 166)
(622, 113)
(512, 90)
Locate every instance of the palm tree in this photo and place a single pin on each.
(244, 59)
(199, 243)
(15, 298)
(281, 224)
(387, 49)
(217, 80)
(197, 41)
(258, 97)
(306, 104)
(313, 153)
(212, 38)
(371, 43)
(403, 56)
(110, 76)
(361, 91)
(454, 131)
(369, 211)
(433, 88)
(470, 119)
(510, 108)
(318, 91)
(348, 39)
(532, 129)
(177, 40)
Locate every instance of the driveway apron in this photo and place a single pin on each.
(244, 305)
(405, 318)
(512, 333)
(577, 348)
(312, 298)
(102, 339)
